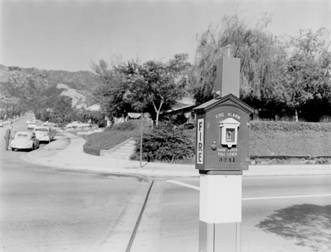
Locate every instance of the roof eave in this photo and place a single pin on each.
(212, 103)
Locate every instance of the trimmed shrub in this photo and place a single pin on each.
(267, 126)
(91, 150)
(289, 139)
(166, 143)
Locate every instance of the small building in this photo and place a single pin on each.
(182, 107)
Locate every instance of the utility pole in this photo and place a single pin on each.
(141, 139)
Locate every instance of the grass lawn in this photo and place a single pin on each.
(111, 137)
(108, 139)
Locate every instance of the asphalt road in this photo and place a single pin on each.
(281, 213)
(48, 210)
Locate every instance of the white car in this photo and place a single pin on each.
(44, 134)
(31, 126)
(49, 124)
(24, 140)
(78, 126)
(33, 121)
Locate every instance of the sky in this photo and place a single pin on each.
(72, 34)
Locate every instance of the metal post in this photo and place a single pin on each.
(141, 139)
(219, 237)
(238, 238)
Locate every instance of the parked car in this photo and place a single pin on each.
(31, 126)
(78, 126)
(44, 134)
(49, 124)
(33, 121)
(24, 140)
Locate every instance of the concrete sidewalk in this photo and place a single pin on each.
(67, 153)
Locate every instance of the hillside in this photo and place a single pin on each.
(29, 85)
(85, 80)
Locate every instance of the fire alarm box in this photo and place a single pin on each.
(222, 135)
(229, 132)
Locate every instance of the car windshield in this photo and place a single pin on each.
(41, 129)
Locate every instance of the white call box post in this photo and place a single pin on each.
(220, 198)
(220, 213)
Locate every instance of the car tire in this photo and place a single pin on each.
(13, 149)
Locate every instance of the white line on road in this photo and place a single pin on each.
(258, 198)
(289, 197)
(184, 184)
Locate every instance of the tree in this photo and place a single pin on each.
(149, 87)
(262, 59)
(153, 87)
(307, 76)
(113, 89)
(181, 68)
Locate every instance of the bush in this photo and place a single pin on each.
(102, 123)
(166, 143)
(178, 119)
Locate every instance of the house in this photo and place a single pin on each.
(182, 107)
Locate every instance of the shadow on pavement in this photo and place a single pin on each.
(309, 225)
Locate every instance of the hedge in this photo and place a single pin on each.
(290, 139)
(166, 143)
(288, 126)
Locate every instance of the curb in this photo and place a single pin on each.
(147, 175)
(62, 168)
